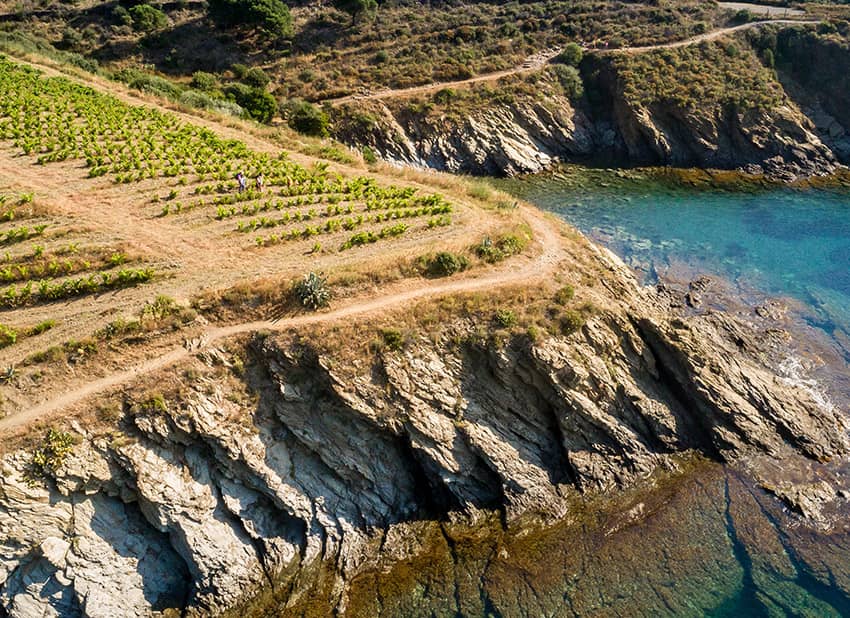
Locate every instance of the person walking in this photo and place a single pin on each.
(240, 178)
(260, 182)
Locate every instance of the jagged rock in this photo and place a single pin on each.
(199, 503)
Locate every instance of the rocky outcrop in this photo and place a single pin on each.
(612, 127)
(814, 70)
(524, 137)
(203, 499)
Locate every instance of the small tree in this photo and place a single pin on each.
(147, 18)
(271, 15)
(356, 8)
(570, 80)
(259, 104)
(312, 291)
(571, 55)
(308, 119)
(204, 81)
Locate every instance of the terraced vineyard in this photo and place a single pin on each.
(57, 120)
(105, 204)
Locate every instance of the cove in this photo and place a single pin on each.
(773, 240)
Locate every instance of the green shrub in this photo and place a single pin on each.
(239, 70)
(204, 81)
(122, 15)
(256, 78)
(8, 336)
(312, 291)
(392, 338)
(258, 104)
(743, 16)
(52, 452)
(505, 246)
(356, 8)
(505, 318)
(201, 100)
(369, 155)
(308, 119)
(571, 55)
(569, 79)
(565, 294)
(147, 18)
(445, 264)
(570, 321)
(271, 16)
(149, 83)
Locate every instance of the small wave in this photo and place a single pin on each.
(793, 372)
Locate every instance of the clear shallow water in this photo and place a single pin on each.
(779, 241)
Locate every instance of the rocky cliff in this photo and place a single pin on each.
(711, 106)
(290, 468)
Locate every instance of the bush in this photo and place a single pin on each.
(147, 18)
(122, 15)
(258, 104)
(570, 321)
(202, 80)
(8, 336)
(505, 246)
(312, 291)
(570, 80)
(445, 264)
(50, 456)
(565, 294)
(505, 318)
(369, 155)
(256, 78)
(355, 8)
(393, 339)
(308, 119)
(149, 83)
(571, 55)
(271, 15)
(201, 100)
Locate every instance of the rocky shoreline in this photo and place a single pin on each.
(329, 472)
(804, 133)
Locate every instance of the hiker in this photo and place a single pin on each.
(259, 182)
(240, 178)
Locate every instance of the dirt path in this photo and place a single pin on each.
(538, 61)
(545, 234)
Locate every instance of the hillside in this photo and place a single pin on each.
(482, 88)
(358, 388)
(123, 226)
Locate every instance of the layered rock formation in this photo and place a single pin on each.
(800, 134)
(203, 499)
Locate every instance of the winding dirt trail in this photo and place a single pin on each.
(538, 61)
(545, 234)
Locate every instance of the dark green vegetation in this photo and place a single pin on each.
(319, 52)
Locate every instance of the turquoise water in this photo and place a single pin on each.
(778, 241)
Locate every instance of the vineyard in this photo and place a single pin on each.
(105, 204)
(193, 170)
